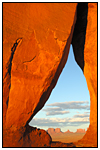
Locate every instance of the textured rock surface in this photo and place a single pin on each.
(45, 31)
(45, 34)
(32, 75)
(27, 137)
(90, 72)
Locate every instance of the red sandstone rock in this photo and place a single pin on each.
(46, 30)
(90, 72)
(58, 130)
(51, 131)
(38, 59)
(26, 137)
(68, 131)
(89, 139)
(80, 131)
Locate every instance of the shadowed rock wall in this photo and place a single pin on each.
(36, 42)
(78, 39)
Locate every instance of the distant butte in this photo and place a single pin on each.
(68, 131)
(36, 42)
(58, 130)
(80, 131)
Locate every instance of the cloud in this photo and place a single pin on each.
(55, 111)
(79, 120)
(54, 122)
(60, 122)
(62, 107)
(72, 105)
(87, 112)
(51, 122)
(81, 115)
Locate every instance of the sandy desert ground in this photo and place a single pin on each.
(67, 137)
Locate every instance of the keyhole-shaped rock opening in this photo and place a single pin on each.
(65, 115)
(37, 63)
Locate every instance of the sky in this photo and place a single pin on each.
(68, 106)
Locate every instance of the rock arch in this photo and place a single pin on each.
(46, 32)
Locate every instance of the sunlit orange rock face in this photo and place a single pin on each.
(90, 72)
(36, 42)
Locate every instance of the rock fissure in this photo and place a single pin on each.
(9, 63)
(29, 60)
(78, 40)
(7, 78)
